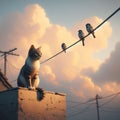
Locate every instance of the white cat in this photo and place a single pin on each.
(29, 74)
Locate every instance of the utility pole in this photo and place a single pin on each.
(5, 53)
(97, 106)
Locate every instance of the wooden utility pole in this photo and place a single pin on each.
(97, 106)
(5, 53)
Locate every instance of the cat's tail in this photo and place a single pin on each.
(40, 94)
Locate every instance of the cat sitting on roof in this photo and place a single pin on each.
(29, 74)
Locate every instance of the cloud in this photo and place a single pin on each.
(110, 87)
(109, 70)
(66, 72)
(84, 87)
(48, 75)
(79, 58)
(23, 29)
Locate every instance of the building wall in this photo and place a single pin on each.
(9, 105)
(24, 104)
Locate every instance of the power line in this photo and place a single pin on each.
(80, 112)
(5, 53)
(79, 108)
(73, 113)
(112, 111)
(16, 68)
(78, 103)
(111, 95)
(83, 37)
(113, 108)
(110, 100)
(91, 100)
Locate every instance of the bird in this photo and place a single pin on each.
(89, 29)
(81, 36)
(63, 46)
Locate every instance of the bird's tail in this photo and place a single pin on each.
(93, 35)
(83, 43)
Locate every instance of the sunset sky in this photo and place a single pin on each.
(81, 72)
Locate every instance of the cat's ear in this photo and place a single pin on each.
(32, 47)
(39, 48)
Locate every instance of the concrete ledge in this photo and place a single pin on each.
(24, 104)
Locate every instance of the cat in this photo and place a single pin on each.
(29, 74)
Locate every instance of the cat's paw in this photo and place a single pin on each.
(31, 88)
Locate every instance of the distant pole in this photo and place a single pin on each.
(5, 63)
(10, 52)
(97, 105)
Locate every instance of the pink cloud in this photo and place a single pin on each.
(66, 70)
(48, 74)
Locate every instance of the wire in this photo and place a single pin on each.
(88, 101)
(77, 108)
(111, 95)
(73, 107)
(113, 111)
(110, 109)
(80, 112)
(113, 108)
(13, 66)
(52, 57)
(73, 113)
(11, 71)
(109, 100)
(78, 103)
(83, 37)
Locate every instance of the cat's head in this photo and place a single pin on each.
(35, 53)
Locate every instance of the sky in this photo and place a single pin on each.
(81, 72)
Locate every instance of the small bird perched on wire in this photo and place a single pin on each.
(81, 36)
(89, 29)
(63, 46)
